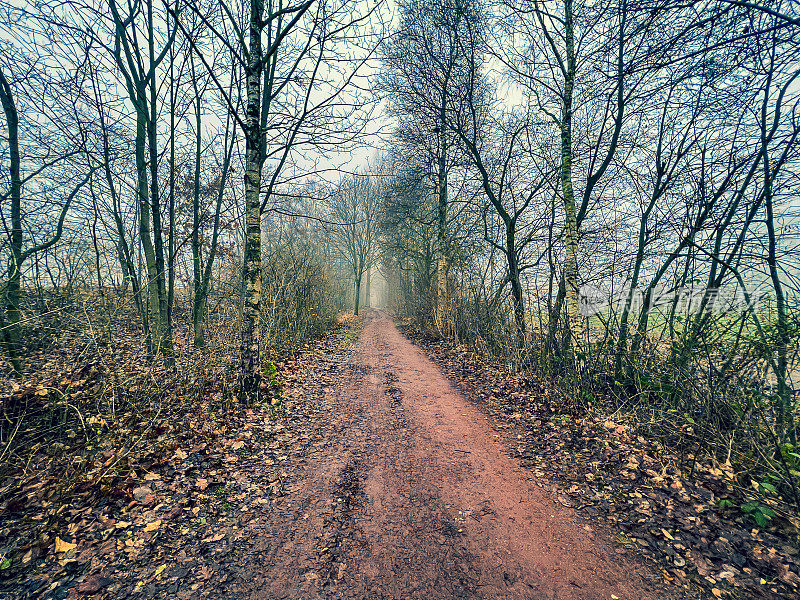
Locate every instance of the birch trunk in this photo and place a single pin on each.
(574, 318)
(441, 311)
(251, 275)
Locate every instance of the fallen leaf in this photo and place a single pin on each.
(152, 526)
(160, 569)
(202, 484)
(141, 492)
(62, 546)
(93, 584)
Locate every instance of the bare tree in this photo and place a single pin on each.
(14, 218)
(139, 70)
(355, 212)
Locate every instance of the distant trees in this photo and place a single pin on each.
(424, 70)
(10, 321)
(408, 234)
(355, 207)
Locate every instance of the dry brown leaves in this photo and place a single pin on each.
(156, 510)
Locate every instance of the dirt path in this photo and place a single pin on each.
(407, 492)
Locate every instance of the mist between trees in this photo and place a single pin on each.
(182, 187)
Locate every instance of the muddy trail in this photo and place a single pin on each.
(405, 491)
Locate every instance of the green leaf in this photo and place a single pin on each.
(749, 507)
(768, 487)
(5, 563)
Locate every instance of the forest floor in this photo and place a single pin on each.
(382, 480)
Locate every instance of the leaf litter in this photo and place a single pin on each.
(158, 512)
(673, 510)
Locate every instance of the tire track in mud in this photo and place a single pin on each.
(403, 542)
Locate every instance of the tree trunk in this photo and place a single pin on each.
(155, 330)
(96, 246)
(516, 286)
(441, 262)
(367, 289)
(197, 267)
(11, 319)
(162, 341)
(171, 207)
(356, 302)
(251, 275)
(574, 318)
(442, 316)
(138, 81)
